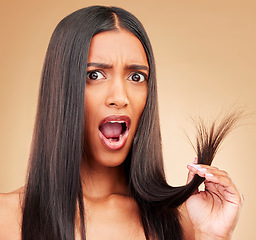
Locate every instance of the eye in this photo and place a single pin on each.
(138, 77)
(94, 75)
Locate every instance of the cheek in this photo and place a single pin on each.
(92, 101)
(142, 99)
(139, 102)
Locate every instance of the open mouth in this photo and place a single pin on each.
(114, 131)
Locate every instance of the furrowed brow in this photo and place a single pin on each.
(99, 65)
(137, 67)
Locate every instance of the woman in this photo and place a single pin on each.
(96, 168)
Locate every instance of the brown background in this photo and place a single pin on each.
(206, 56)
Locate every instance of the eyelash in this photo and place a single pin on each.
(95, 71)
(132, 74)
(139, 73)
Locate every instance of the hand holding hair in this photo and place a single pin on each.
(214, 211)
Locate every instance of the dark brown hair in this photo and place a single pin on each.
(53, 192)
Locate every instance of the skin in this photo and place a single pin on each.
(110, 211)
(215, 211)
(117, 94)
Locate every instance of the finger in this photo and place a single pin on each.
(201, 170)
(220, 183)
(225, 189)
(190, 173)
(211, 174)
(221, 180)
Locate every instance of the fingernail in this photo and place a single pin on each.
(195, 166)
(208, 175)
(192, 165)
(202, 169)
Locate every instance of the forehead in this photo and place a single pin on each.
(115, 45)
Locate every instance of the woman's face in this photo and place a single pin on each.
(115, 95)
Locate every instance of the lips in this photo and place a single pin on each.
(114, 130)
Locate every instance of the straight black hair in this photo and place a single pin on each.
(53, 196)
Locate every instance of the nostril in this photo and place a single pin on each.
(119, 103)
(126, 101)
(112, 104)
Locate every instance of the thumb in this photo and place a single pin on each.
(190, 174)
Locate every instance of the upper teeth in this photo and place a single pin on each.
(117, 121)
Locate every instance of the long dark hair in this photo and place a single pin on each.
(54, 196)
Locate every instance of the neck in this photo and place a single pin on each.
(100, 182)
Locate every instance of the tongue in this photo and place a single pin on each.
(111, 130)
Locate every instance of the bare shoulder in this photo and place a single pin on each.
(10, 214)
(188, 230)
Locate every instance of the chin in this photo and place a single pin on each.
(113, 159)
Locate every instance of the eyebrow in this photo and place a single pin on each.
(99, 65)
(108, 66)
(137, 67)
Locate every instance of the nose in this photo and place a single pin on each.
(117, 94)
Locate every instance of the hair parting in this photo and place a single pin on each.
(54, 198)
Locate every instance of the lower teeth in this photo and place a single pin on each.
(120, 136)
(116, 139)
